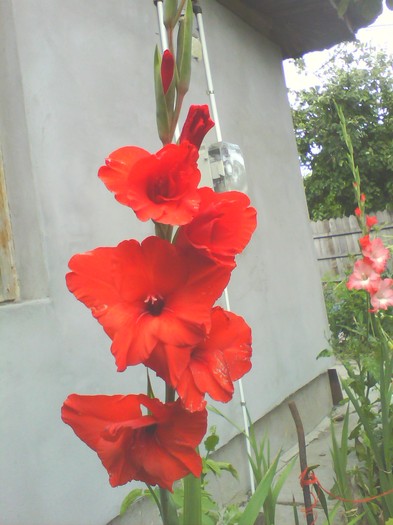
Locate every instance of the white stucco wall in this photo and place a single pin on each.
(77, 84)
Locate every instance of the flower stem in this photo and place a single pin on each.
(164, 231)
(170, 394)
(178, 105)
(168, 509)
(192, 510)
(154, 496)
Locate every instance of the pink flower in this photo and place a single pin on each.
(383, 297)
(375, 251)
(364, 277)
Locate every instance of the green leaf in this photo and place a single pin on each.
(325, 353)
(218, 466)
(170, 11)
(295, 511)
(358, 518)
(211, 442)
(130, 499)
(282, 479)
(332, 514)
(163, 116)
(184, 44)
(257, 500)
(322, 500)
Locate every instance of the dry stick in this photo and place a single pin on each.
(302, 458)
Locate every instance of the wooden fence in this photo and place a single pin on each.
(336, 242)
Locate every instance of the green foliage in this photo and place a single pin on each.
(261, 464)
(367, 9)
(362, 343)
(339, 453)
(351, 338)
(360, 80)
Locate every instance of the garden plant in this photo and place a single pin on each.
(155, 299)
(361, 319)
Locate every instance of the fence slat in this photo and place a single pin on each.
(336, 242)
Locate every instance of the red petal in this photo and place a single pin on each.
(223, 226)
(222, 358)
(116, 284)
(162, 187)
(169, 362)
(197, 124)
(118, 165)
(156, 449)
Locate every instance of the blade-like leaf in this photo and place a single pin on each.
(257, 500)
(184, 44)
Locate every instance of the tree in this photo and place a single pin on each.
(359, 79)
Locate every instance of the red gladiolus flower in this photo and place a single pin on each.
(167, 70)
(371, 221)
(363, 197)
(145, 294)
(222, 228)
(376, 252)
(160, 186)
(358, 212)
(158, 448)
(197, 124)
(211, 366)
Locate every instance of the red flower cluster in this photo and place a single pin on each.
(155, 300)
(368, 270)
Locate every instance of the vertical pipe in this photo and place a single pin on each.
(209, 81)
(213, 107)
(161, 26)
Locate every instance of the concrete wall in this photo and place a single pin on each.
(77, 84)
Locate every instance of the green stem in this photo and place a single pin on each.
(179, 11)
(154, 496)
(168, 509)
(386, 473)
(170, 394)
(192, 510)
(164, 231)
(176, 114)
